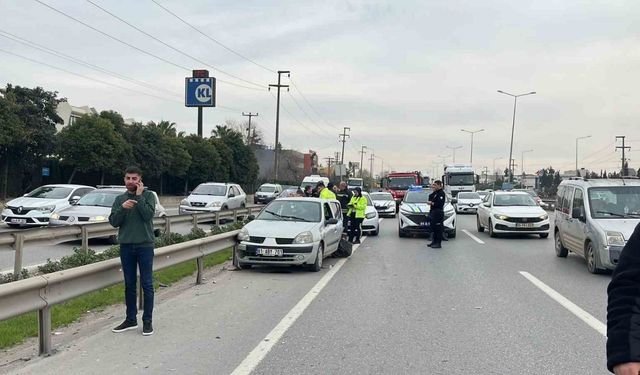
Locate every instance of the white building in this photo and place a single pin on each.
(69, 113)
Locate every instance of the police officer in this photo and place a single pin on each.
(436, 200)
(344, 196)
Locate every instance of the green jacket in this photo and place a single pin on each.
(327, 194)
(357, 205)
(135, 224)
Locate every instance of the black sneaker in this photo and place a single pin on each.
(125, 326)
(147, 329)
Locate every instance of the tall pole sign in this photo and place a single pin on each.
(200, 91)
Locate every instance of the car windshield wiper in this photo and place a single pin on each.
(286, 216)
(610, 213)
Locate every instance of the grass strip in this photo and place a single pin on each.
(15, 330)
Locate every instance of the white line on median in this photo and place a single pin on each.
(572, 307)
(473, 237)
(264, 347)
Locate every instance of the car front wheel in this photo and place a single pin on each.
(478, 225)
(317, 265)
(592, 262)
(491, 232)
(561, 251)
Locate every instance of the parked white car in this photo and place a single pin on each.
(413, 213)
(212, 197)
(291, 231)
(384, 203)
(467, 202)
(371, 222)
(266, 193)
(35, 208)
(512, 212)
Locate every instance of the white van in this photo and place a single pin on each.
(313, 180)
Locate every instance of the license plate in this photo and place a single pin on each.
(270, 252)
(18, 221)
(524, 225)
(424, 224)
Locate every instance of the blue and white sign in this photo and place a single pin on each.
(200, 92)
(46, 171)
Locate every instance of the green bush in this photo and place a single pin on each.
(9, 277)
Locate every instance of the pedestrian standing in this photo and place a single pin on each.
(132, 213)
(323, 192)
(308, 191)
(344, 197)
(357, 207)
(623, 311)
(436, 200)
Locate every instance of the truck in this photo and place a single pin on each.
(397, 183)
(457, 178)
(354, 182)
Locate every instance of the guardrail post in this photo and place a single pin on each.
(217, 219)
(85, 238)
(18, 245)
(167, 225)
(195, 221)
(235, 216)
(44, 330)
(200, 264)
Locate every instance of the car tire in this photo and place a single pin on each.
(592, 260)
(492, 234)
(317, 265)
(544, 235)
(561, 251)
(401, 233)
(376, 232)
(244, 266)
(452, 234)
(478, 225)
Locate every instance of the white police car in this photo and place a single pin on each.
(414, 210)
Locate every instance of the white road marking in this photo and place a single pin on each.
(572, 307)
(473, 237)
(264, 347)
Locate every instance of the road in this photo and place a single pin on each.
(394, 307)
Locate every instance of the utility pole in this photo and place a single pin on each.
(329, 160)
(279, 86)
(250, 115)
(486, 173)
(454, 148)
(472, 132)
(362, 152)
(343, 138)
(371, 157)
(623, 148)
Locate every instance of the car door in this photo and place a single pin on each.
(576, 227)
(484, 210)
(563, 214)
(330, 231)
(235, 199)
(337, 213)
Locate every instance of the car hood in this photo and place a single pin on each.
(524, 211)
(421, 207)
(624, 226)
(206, 198)
(384, 203)
(35, 202)
(86, 211)
(280, 229)
(470, 201)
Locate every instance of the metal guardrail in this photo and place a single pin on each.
(40, 293)
(17, 239)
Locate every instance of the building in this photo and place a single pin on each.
(291, 167)
(70, 114)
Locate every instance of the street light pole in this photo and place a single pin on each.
(513, 125)
(577, 139)
(454, 148)
(472, 132)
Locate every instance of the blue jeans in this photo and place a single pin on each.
(133, 256)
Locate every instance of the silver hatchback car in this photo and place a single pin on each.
(595, 218)
(292, 231)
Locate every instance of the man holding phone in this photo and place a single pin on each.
(132, 213)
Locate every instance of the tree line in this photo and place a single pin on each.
(95, 149)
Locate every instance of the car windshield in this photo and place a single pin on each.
(50, 192)
(401, 183)
(267, 189)
(217, 190)
(381, 196)
(100, 199)
(417, 197)
(513, 200)
(614, 202)
(468, 196)
(461, 179)
(291, 210)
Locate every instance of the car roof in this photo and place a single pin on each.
(110, 190)
(68, 186)
(601, 182)
(512, 192)
(306, 199)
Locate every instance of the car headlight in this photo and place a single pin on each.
(46, 208)
(184, 202)
(304, 237)
(615, 238)
(55, 216)
(243, 235)
(371, 215)
(215, 204)
(405, 210)
(98, 218)
(501, 217)
(543, 217)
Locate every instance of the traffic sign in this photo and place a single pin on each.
(200, 92)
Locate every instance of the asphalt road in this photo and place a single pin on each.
(394, 307)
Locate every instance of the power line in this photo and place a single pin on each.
(133, 46)
(170, 46)
(306, 114)
(212, 39)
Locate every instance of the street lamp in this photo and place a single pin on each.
(522, 165)
(513, 125)
(454, 148)
(472, 132)
(577, 139)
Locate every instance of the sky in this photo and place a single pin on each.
(404, 75)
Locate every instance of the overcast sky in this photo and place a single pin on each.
(405, 76)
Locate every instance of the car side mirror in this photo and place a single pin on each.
(231, 195)
(486, 204)
(331, 221)
(251, 217)
(74, 199)
(24, 195)
(454, 201)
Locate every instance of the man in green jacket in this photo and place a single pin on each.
(325, 193)
(132, 213)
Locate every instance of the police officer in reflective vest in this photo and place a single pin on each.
(437, 200)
